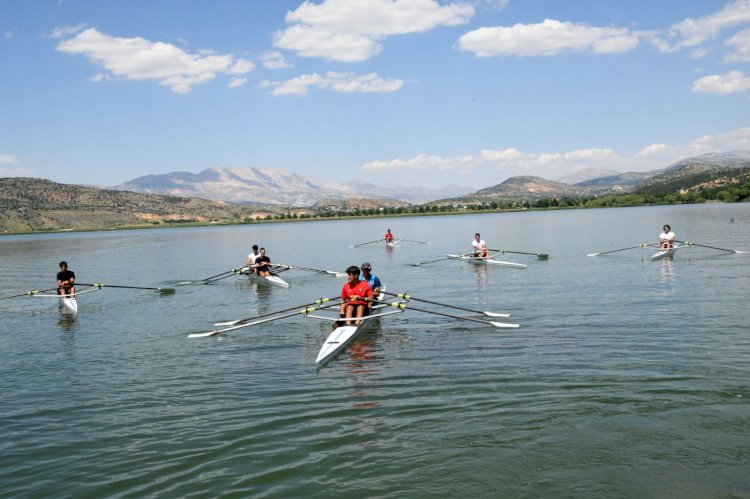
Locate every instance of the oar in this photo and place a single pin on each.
(711, 247)
(234, 271)
(243, 323)
(413, 241)
(541, 256)
(404, 306)
(370, 242)
(28, 293)
(407, 297)
(430, 261)
(319, 301)
(329, 272)
(163, 291)
(642, 245)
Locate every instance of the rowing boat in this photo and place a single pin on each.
(663, 253)
(340, 337)
(489, 260)
(68, 303)
(271, 279)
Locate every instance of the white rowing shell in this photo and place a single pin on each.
(664, 253)
(478, 260)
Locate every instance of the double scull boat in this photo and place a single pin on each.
(271, 278)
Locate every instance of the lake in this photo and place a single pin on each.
(626, 378)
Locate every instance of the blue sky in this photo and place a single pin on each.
(414, 92)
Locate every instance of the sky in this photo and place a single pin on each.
(411, 92)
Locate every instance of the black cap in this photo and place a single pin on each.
(367, 266)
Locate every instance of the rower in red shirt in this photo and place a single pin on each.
(356, 297)
(388, 237)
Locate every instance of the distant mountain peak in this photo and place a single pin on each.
(274, 186)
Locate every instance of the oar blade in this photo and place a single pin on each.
(228, 323)
(166, 291)
(203, 335)
(496, 314)
(503, 324)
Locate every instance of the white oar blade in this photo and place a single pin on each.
(202, 335)
(229, 323)
(593, 254)
(503, 324)
(496, 314)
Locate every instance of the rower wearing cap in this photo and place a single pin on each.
(371, 279)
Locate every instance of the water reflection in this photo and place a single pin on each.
(66, 321)
(667, 269)
(481, 273)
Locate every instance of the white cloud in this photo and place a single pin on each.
(351, 30)
(141, 59)
(548, 38)
(491, 166)
(338, 82)
(8, 159)
(732, 140)
(236, 82)
(274, 60)
(653, 150)
(63, 31)
(729, 83)
(693, 32)
(741, 44)
(10, 33)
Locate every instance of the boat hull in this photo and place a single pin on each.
(338, 340)
(664, 253)
(476, 260)
(69, 305)
(270, 279)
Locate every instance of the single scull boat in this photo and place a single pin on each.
(489, 260)
(663, 253)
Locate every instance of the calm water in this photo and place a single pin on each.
(627, 377)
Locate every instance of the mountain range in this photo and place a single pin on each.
(278, 187)
(28, 204)
(244, 185)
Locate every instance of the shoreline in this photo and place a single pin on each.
(317, 219)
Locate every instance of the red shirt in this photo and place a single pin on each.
(360, 289)
(388, 236)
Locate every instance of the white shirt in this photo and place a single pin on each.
(479, 245)
(251, 258)
(669, 237)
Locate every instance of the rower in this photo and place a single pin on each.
(252, 257)
(372, 280)
(262, 264)
(388, 237)
(479, 246)
(356, 298)
(666, 238)
(65, 280)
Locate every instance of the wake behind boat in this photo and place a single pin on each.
(489, 260)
